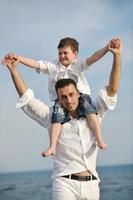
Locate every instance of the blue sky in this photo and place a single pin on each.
(33, 29)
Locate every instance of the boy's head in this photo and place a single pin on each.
(68, 94)
(67, 50)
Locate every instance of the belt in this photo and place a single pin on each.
(80, 178)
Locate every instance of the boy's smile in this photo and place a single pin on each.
(66, 56)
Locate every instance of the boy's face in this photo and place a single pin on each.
(66, 55)
(69, 97)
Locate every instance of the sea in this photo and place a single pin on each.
(116, 184)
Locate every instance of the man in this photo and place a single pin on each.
(74, 173)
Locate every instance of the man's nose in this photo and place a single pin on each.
(69, 99)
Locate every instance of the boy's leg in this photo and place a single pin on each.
(94, 125)
(87, 108)
(59, 116)
(55, 131)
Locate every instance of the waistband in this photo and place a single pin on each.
(80, 178)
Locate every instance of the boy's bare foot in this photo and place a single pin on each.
(102, 145)
(49, 152)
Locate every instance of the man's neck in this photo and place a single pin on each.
(74, 114)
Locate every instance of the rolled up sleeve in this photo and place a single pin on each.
(109, 101)
(103, 102)
(34, 108)
(44, 67)
(23, 100)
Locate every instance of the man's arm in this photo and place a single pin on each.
(114, 80)
(34, 108)
(20, 85)
(26, 61)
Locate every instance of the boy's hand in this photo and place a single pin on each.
(115, 43)
(115, 46)
(14, 57)
(10, 58)
(9, 62)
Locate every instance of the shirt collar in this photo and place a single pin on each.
(74, 62)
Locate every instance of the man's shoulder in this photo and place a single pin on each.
(104, 102)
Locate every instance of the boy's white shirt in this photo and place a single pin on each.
(57, 71)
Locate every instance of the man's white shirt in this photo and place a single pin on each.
(76, 148)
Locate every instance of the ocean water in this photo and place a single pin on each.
(116, 184)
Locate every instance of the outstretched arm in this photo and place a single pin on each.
(20, 85)
(114, 80)
(26, 61)
(101, 52)
(97, 55)
(34, 108)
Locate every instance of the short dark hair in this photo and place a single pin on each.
(69, 42)
(65, 82)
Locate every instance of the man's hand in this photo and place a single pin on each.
(115, 46)
(12, 56)
(10, 62)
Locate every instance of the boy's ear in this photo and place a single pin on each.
(76, 53)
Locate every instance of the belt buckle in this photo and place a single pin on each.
(89, 178)
(80, 178)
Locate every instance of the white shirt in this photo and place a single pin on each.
(58, 71)
(76, 148)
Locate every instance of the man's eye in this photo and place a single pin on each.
(63, 97)
(71, 94)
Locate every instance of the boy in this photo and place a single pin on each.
(68, 66)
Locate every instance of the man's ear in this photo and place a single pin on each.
(78, 93)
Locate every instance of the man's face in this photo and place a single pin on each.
(66, 55)
(69, 97)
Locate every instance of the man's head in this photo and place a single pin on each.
(68, 94)
(67, 50)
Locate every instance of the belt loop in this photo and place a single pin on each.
(70, 176)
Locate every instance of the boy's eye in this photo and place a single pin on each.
(63, 53)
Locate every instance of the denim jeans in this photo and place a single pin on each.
(59, 114)
(85, 106)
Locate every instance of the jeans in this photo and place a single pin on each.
(59, 114)
(85, 107)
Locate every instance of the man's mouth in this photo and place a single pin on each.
(64, 59)
(70, 106)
